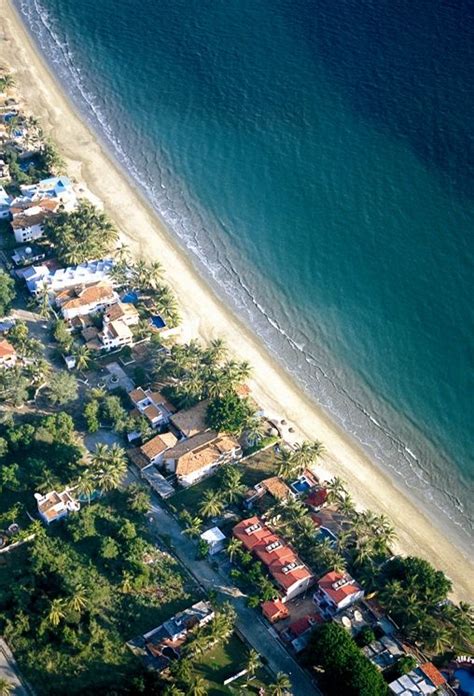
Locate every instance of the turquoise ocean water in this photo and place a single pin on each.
(316, 160)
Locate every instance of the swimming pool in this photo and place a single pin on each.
(466, 681)
(130, 297)
(301, 485)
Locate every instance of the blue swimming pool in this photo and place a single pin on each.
(301, 486)
(130, 297)
(466, 681)
(158, 322)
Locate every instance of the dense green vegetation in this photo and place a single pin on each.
(82, 235)
(195, 373)
(7, 292)
(229, 413)
(344, 667)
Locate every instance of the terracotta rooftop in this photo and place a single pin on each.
(277, 488)
(433, 673)
(81, 296)
(137, 395)
(158, 444)
(338, 586)
(192, 420)
(202, 455)
(6, 349)
(303, 624)
(22, 221)
(274, 609)
(279, 558)
(120, 310)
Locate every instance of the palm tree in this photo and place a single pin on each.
(194, 526)
(346, 507)
(253, 663)
(197, 687)
(232, 483)
(233, 547)
(285, 463)
(78, 601)
(6, 82)
(110, 476)
(42, 299)
(98, 393)
(100, 455)
(126, 586)
(83, 357)
(306, 454)
(6, 687)
(336, 489)
(281, 686)
(155, 272)
(254, 430)
(173, 690)
(211, 505)
(216, 352)
(56, 612)
(119, 274)
(86, 484)
(122, 254)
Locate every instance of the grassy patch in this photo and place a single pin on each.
(222, 662)
(261, 465)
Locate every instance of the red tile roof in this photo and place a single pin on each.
(279, 558)
(433, 674)
(274, 610)
(317, 498)
(6, 349)
(304, 623)
(338, 586)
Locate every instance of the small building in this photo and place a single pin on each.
(158, 482)
(291, 575)
(28, 218)
(115, 335)
(27, 255)
(316, 499)
(157, 647)
(274, 610)
(191, 421)
(58, 187)
(153, 405)
(125, 312)
(274, 486)
(299, 631)
(198, 456)
(53, 506)
(5, 202)
(8, 356)
(384, 652)
(81, 300)
(155, 449)
(337, 591)
(215, 539)
(422, 680)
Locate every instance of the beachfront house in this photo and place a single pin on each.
(200, 455)
(54, 506)
(39, 277)
(8, 356)
(58, 188)
(337, 591)
(421, 681)
(153, 405)
(273, 486)
(28, 218)
(191, 421)
(81, 300)
(291, 575)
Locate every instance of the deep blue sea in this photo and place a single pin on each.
(316, 160)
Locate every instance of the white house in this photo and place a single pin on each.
(58, 187)
(122, 311)
(337, 591)
(200, 455)
(53, 506)
(85, 299)
(215, 539)
(153, 405)
(154, 450)
(115, 334)
(5, 202)
(83, 274)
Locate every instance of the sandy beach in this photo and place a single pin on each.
(206, 316)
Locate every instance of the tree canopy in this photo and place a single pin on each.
(82, 235)
(229, 413)
(7, 292)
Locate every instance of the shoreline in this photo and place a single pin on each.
(89, 161)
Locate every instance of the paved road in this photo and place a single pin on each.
(9, 671)
(249, 623)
